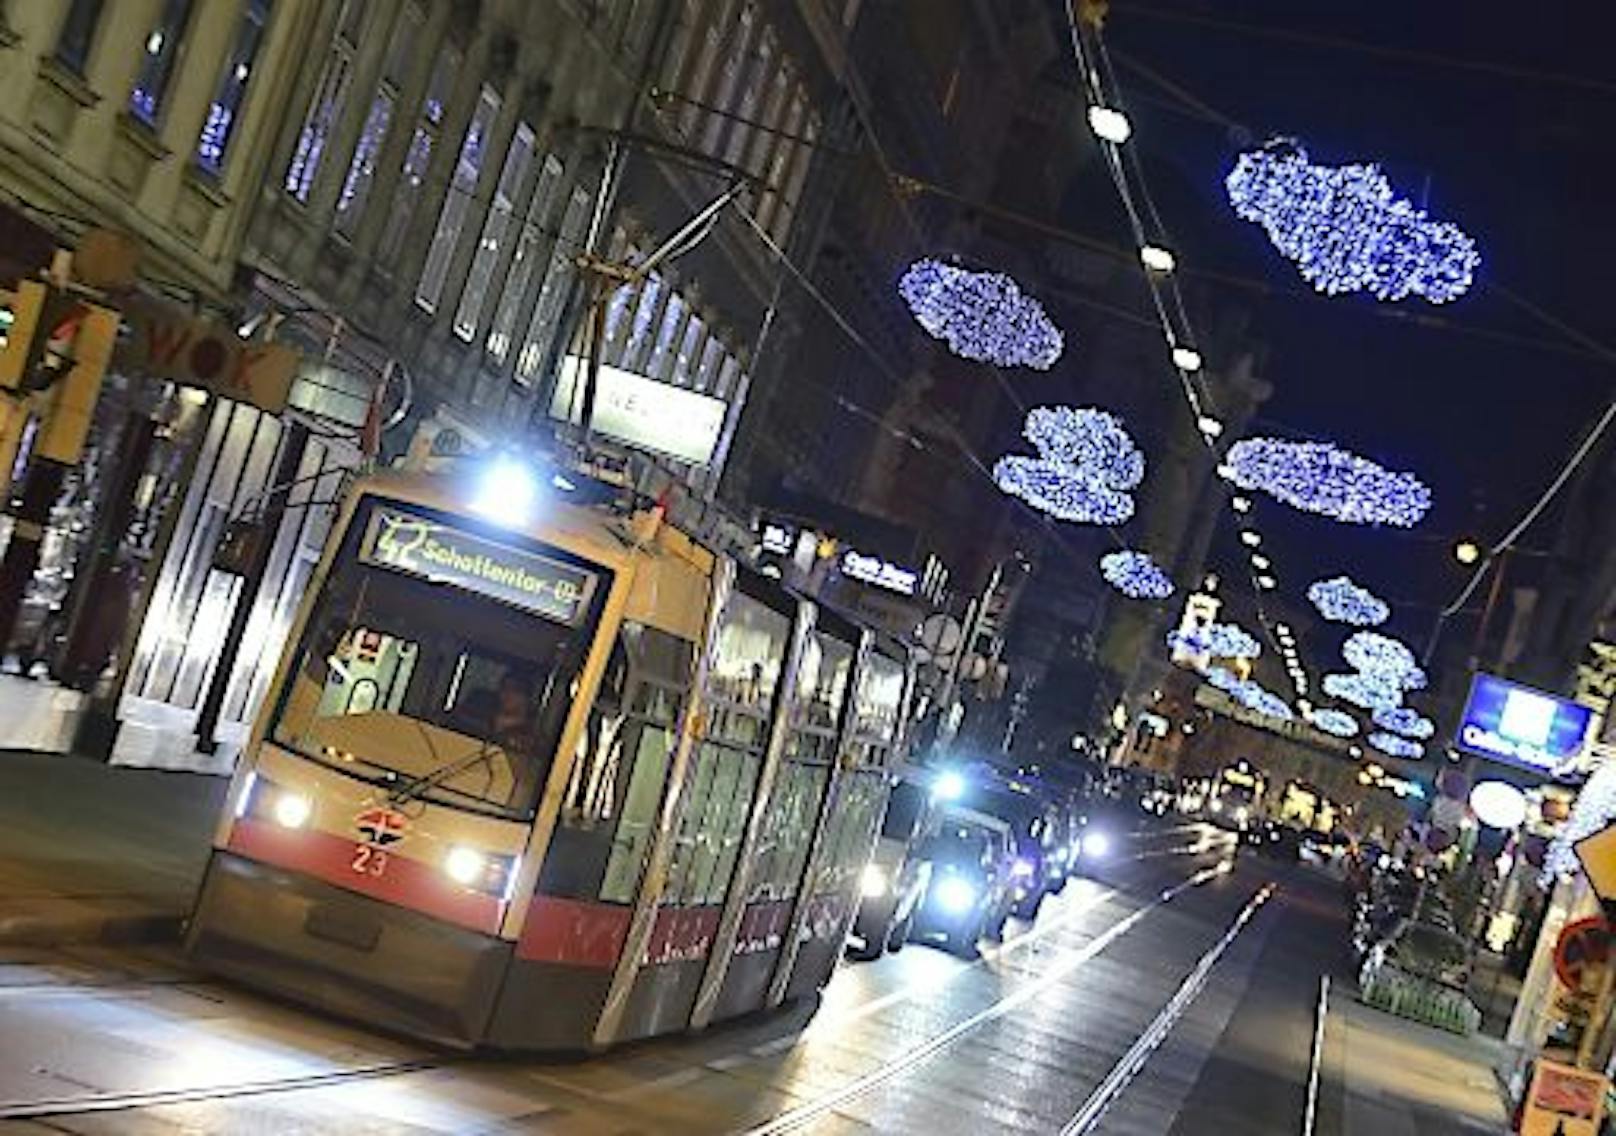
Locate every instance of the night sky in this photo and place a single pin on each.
(1521, 162)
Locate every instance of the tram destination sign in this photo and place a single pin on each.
(412, 544)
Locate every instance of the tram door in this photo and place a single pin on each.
(857, 803)
(744, 676)
(779, 860)
(578, 920)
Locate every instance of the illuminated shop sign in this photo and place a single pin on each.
(881, 573)
(416, 546)
(1520, 726)
(778, 539)
(643, 413)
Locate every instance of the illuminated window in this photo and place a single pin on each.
(225, 109)
(457, 205)
(407, 193)
(525, 260)
(542, 327)
(803, 158)
(736, 52)
(486, 258)
(741, 130)
(362, 168)
(329, 99)
(161, 46)
(673, 318)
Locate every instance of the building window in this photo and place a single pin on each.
(689, 351)
(547, 312)
(645, 319)
(77, 36)
(712, 43)
(362, 168)
(158, 52)
(486, 259)
(329, 99)
(736, 53)
(779, 170)
(419, 156)
(225, 108)
(525, 259)
(746, 114)
(712, 357)
(662, 354)
(457, 205)
(792, 197)
(774, 111)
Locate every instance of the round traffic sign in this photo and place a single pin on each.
(1583, 945)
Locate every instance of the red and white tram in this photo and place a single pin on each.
(541, 773)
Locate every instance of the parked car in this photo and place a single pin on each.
(970, 892)
(895, 879)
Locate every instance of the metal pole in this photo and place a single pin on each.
(1500, 569)
(294, 443)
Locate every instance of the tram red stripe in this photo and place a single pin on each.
(573, 931)
(681, 934)
(404, 881)
(763, 927)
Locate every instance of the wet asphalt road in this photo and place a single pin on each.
(1163, 995)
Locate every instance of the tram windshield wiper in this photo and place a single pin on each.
(429, 781)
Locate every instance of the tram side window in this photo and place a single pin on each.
(620, 767)
(788, 831)
(853, 828)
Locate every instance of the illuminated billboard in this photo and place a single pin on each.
(1520, 726)
(644, 413)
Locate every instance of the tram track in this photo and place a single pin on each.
(804, 1115)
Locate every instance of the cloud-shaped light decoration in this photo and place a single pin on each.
(1231, 641)
(1318, 477)
(1341, 601)
(1087, 465)
(1405, 720)
(1336, 722)
(1253, 696)
(1224, 679)
(1394, 746)
(1135, 575)
(1383, 657)
(1369, 691)
(1346, 230)
(981, 315)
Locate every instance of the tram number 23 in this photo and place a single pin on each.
(368, 860)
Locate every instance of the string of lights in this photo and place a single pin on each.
(1109, 121)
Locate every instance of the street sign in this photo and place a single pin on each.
(1583, 946)
(1598, 856)
(169, 343)
(1563, 1101)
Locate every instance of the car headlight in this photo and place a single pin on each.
(955, 895)
(873, 883)
(1217, 806)
(1096, 845)
(292, 810)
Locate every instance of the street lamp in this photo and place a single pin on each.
(1467, 552)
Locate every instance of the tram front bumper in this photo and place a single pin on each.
(385, 966)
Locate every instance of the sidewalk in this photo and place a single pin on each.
(98, 853)
(1400, 1078)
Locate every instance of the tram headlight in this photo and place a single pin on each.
(292, 810)
(873, 883)
(1096, 845)
(465, 865)
(955, 895)
(506, 492)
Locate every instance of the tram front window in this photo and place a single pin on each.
(431, 690)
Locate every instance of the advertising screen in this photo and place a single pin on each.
(1520, 726)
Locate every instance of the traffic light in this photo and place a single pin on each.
(39, 338)
(67, 423)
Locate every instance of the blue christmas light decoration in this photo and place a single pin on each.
(1086, 466)
(1224, 679)
(1318, 477)
(1135, 575)
(981, 315)
(1342, 601)
(1335, 722)
(1381, 656)
(1372, 692)
(1231, 641)
(1394, 746)
(1254, 696)
(1405, 720)
(1346, 230)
